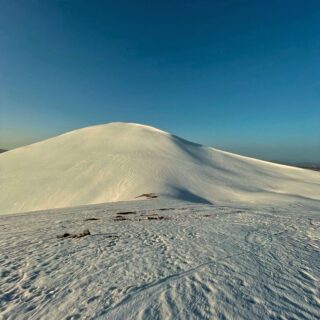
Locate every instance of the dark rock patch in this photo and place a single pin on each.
(119, 218)
(84, 233)
(156, 217)
(126, 212)
(148, 196)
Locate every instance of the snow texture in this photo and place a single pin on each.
(209, 235)
(120, 161)
(198, 262)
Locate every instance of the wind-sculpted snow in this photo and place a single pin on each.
(162, 260)
(119, 161)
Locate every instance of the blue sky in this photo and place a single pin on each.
(243, 76)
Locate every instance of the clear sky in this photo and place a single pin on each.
(239, 75)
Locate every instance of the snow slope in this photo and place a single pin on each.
(201, 262)
(120, 161)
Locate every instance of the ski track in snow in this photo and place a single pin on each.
(204, 262)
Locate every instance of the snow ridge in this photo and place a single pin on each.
(120, 161)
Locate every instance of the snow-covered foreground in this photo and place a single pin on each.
(197, 262)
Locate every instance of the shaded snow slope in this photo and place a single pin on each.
(120, 161)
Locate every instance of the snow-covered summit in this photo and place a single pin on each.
(120, 161)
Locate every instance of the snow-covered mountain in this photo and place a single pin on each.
(253, 254)
(121, 161)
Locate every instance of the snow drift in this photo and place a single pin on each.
(120, 161)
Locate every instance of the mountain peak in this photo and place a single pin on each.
(120, 161)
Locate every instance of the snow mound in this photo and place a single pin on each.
(121, 161)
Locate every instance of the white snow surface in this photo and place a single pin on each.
(228, 237)
(200, 261)
(120, 161)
